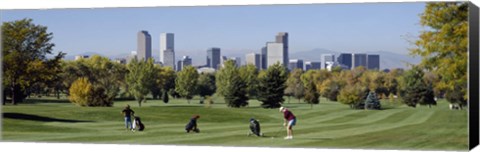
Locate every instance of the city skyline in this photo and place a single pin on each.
(310, 27)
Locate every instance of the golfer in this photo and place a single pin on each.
(288, 121)
(192, 125)
(127, 113)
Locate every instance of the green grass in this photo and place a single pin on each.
(327, 125)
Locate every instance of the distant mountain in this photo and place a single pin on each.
(388, 60)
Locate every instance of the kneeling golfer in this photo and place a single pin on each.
(289, 121)
(192, 125)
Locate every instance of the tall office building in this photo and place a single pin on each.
(254, 59)
(345, 59)
(213, 58)
(264, 58)
(167, 49)
(295, 64)
(311, 65)
(169, 58)
(275, 53)
(282, 37)
(144, 45)
(373, 61)
(359, 59)
(328, 58)
(185, 61)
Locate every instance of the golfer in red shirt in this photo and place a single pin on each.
(289, 121)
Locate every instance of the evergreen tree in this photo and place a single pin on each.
(232, 85)
(372, 101)
(271, 86)
(416, 90)
(165, 97)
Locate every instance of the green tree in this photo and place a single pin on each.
(271, 86)
(186, 82)
(139, 78)
(167, 79)
(417, 91)
(352, 95)
(233, 85)
(249, 74)
(443, 45)
(25, 46)
(311, 94)
(206, 84)
(372, 102)
(294, 84)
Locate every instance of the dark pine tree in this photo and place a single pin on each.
(271, 86)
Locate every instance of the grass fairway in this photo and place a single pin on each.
(327, 125)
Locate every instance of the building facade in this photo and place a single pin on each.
(213, 58)
(295, 64)
(167, 45)
(275, 53)
(264, 58)
(144, 45)
(373, 61)
(327, 58)
(345, 59)
(311, 65)
(282, 37)
(185, 61)
(254, 59)
(359, 59)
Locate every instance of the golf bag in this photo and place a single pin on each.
(255, 127)
(137, 124)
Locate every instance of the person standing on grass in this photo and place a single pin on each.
(128, 113)
(289, 121)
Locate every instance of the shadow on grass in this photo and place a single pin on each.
(38, 118)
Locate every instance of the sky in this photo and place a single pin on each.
(361, 27)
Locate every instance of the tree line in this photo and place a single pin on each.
(97, 81)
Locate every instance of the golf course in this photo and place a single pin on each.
(325, 125)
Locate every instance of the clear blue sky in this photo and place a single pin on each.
(236, 29)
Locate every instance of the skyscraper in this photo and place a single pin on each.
(167, 49)
(254, 59)
(373, 61)
(359, 59)
(213, 57)
(345, 59)
(328, 58)
(169, 58)
(275, 53)
(264, 58)
(282, 37)
(144, 45)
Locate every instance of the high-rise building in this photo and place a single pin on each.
(373, 61)
(167, 49)
(359, 59)
(264, 58)
(310, 65)
(186, 61)
(328, 58)
(213, 57)
(144, 45)
(169, 58)
(282, 37)
(345, 59)
(254, 59)
(295, 64)
(275, 53)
